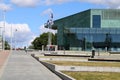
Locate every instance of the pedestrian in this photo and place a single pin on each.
(25, 49)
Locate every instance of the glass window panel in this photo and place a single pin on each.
(96, 21)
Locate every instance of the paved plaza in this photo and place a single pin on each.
(21, 66)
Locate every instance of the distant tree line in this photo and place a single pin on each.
(7, 46)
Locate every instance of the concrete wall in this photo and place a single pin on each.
(53, 69)
(88, 68)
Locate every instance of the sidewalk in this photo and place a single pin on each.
(3, 57)
(22, 66)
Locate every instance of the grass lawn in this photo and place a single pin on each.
(72, 63)
(93, 75)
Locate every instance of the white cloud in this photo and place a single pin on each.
(108, 3)
(48, 11)
(50, 2)
(25, 3)
(32, 3)
(94, 1)
(21, 33)
(45, 30)
(113, 3)
(5, 6)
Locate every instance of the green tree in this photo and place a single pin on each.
(7, 46)
(54, 39)
(43, 40)
(36, 43)
(31, 47)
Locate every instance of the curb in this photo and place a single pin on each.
(108, 60)
(53, 69)
(67, 55)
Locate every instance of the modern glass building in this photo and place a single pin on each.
(93, 28)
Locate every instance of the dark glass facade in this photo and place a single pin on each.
(87, 38)
(93, 28)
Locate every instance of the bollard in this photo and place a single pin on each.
(93, 53)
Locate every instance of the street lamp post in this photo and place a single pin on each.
(11, 37)
(49, 34)
(15, 38)
(49, 25)
(4, 29)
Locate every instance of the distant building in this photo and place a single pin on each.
(0, 38)
(93, 28)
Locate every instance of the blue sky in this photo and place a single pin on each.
(29, 16)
